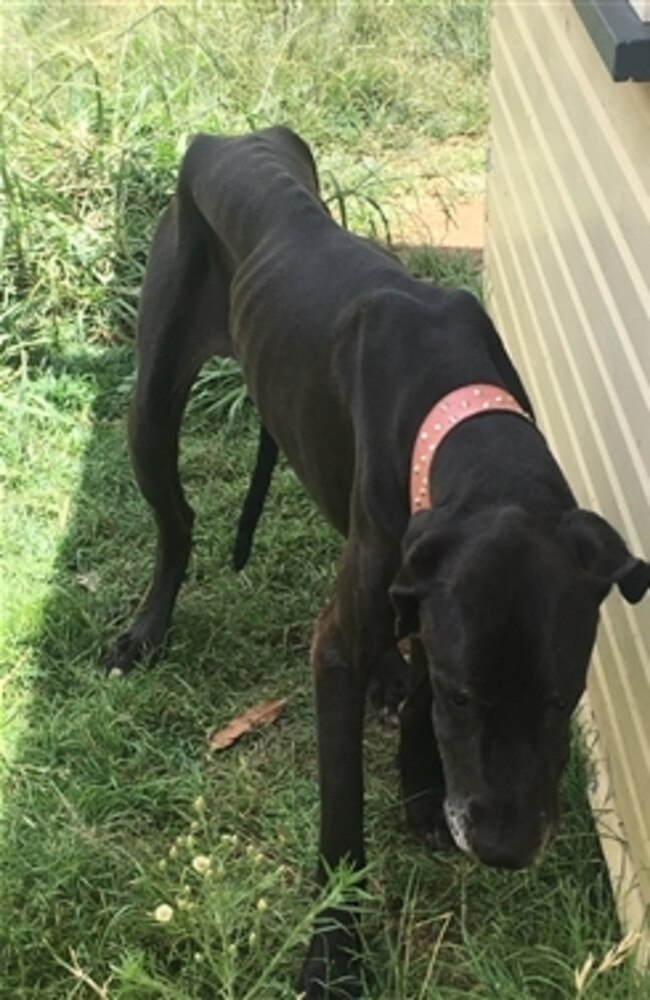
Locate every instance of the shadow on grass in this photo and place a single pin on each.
(103, 775)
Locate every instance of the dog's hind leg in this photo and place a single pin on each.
(267, 456)
(182, 322)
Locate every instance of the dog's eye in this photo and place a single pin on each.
(459, 698)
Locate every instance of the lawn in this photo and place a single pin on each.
(136, 862)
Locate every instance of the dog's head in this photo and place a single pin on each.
(507, 610)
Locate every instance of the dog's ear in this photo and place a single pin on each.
(604, 556)
(422, 546)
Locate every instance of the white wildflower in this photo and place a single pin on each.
(163, 913)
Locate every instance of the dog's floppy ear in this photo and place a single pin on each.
(604, 556)
(421, 548)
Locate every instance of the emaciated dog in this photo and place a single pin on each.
(401, 412)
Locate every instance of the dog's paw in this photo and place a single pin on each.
(126, 652)
(332, 968)
(426, 820)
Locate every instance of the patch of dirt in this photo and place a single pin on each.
(438, 195)
(432, 221)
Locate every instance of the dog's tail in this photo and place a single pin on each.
(267, 456)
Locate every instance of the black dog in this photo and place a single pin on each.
(481, 556)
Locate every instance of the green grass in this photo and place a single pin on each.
(109, 792)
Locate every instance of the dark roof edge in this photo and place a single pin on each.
(621, 37)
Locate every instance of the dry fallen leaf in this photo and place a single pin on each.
(260, 715)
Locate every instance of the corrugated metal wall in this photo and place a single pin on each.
(568, 283)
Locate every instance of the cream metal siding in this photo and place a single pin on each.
(568, 282)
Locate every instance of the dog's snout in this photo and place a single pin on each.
(500, 834)
(498, 853)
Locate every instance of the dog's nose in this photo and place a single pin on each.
(504, 836)
(501, 855)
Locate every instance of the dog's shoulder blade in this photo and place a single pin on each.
(394, 327)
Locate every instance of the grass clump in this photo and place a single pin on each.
(134, 863)
(99, 104)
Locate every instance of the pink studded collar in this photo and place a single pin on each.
(459, 405)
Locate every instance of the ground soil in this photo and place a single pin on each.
(429, 221)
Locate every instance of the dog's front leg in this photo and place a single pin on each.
(420, 767)
(355, 631)
(332, 967)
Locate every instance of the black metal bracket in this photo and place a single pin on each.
(621, 37)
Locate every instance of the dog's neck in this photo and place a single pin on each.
(467, 402)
